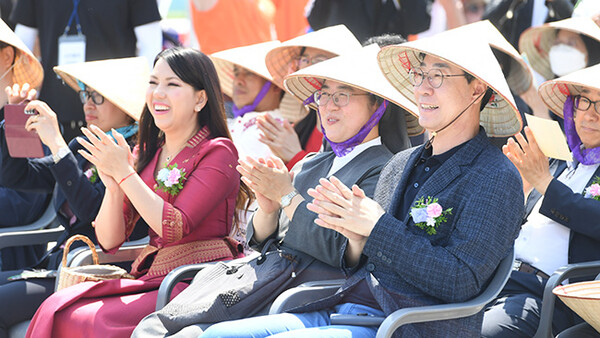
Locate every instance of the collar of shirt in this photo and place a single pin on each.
(340, 162)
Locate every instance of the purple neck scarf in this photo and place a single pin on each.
(580, 154)
(237, 112)
(343, 148)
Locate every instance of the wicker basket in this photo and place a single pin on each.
(74, 275)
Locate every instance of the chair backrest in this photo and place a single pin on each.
(47, 220)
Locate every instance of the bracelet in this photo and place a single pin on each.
(126, 177)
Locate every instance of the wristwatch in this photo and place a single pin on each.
(287, 198)
(60, 154)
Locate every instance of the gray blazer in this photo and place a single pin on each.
(301, 233)
(405, 267)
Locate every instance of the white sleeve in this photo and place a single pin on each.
(149, 40)
(27, 35)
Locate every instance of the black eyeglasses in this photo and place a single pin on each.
(435, 77)
(340, 99)
(305, 61)
(583, 103)
(96, 97)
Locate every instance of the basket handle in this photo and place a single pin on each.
(79, 238)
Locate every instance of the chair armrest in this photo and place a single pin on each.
(47, 220)
(187, 272)
(175, 276)
(31, 237)
(578, 270)
(305, 293)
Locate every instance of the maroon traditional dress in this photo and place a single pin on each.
(196, 225)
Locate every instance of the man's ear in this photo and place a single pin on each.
(479, 88)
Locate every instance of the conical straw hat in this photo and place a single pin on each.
(359, 70)
(520, 77)
(473, 55)
(27, 68)
(554, 93)
(252, 58)
(121, 81)
(584, 299)
(337, 40)
(535, 42)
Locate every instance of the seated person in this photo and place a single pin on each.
(292, 142)
(18, 66)
(397, 254)
(561, 224)
(244, 77)
(350, 116)
(184, 189)
(112, 94)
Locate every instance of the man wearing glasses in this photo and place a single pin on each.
(445, 214)
(563, 211)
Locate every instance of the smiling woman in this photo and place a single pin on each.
(183, 190)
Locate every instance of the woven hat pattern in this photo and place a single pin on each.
(337, 40)
(121, 81)
(358, 70)
(27, 68)
(535, 42)
(554, 93)
(500, 117)
(584, 299)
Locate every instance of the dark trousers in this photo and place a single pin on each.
(516, 311)
(20, 299)
(583, 330)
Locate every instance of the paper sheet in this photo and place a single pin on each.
(549, 137)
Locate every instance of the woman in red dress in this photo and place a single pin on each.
(184, 187)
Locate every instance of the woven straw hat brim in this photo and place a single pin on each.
(535, 42)
(520, 77)
(584, 299)
(500, 117)
(121, 81)
(337, 40)
(359, 70)
(554, 93)
(27, 68)
(251, 58)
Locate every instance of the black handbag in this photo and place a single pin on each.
(227, 291)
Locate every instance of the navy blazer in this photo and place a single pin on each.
(571, 209)
(405, 267)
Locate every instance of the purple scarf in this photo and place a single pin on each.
(582, 155)
(343, 148)
(237, 112)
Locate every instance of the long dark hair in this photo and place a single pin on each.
(196, 69)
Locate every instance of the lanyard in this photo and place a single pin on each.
(75, 16)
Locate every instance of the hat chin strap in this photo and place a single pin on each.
(430, 141)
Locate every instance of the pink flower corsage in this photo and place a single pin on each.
(91, 174)
(170, 179)
(428, 214)
(593, 191)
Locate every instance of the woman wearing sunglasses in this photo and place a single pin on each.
(108, 104)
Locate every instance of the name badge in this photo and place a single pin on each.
(71, 49)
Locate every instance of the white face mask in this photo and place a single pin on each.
(565, 59)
